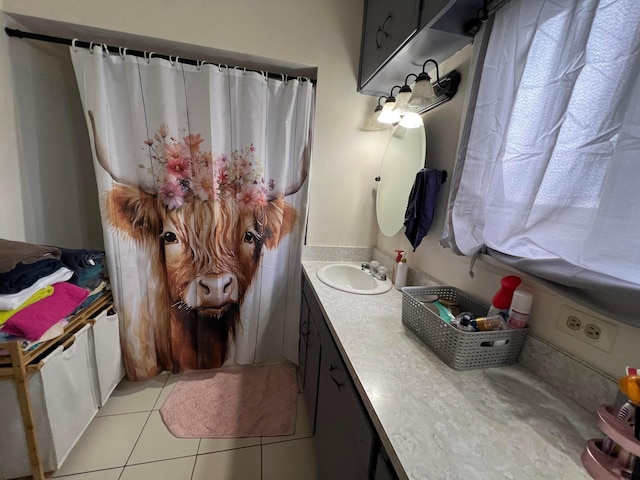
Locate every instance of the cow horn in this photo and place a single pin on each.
(302, 173)
(101, 155)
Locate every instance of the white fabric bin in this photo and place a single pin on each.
(105, 337)
(63, 402)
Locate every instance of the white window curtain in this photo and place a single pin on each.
(547, 174)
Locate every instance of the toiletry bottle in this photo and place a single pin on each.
(502, 299)
(395, 265)
(401, 271)
(520, 308)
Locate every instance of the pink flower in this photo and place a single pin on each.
(252, 148)
(174, 150)
(250, 196)
(163, 130)
(149, 142)
(205, 188)
(172, 195)
(223, 178)
(193, 141)
(179, 167)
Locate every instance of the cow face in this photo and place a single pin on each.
(206, 225)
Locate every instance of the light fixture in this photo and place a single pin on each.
(372, 122)
(423, 92)
(411, 120)
(403, 96)
(389, 114)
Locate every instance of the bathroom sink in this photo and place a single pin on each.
(349, 277)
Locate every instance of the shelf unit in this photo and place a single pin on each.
(19, 365)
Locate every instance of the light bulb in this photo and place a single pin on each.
(411, 120)
(389, 114)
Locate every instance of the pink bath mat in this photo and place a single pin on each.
(256, 401)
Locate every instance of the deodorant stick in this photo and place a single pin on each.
(519, 310)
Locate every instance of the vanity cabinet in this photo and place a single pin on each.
(347, 445)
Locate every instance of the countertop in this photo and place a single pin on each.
(439, 423)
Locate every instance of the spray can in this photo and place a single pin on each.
(520, 308)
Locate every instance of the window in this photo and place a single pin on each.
(549, 166)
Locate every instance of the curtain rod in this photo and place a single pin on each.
(136, 53)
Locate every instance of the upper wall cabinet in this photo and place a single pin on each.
(388, 25)
(398, 36)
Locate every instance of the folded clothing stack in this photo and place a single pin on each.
(41, 286)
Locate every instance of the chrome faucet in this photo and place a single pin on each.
(374, 269)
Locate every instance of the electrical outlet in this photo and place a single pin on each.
(574, 323)
(588, 329)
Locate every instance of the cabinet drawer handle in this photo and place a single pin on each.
(331, 369)
(382, 29)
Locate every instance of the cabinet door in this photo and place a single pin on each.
(384, 470)
(337, 453)
(312, 367)
(302, 341)
(387, 25)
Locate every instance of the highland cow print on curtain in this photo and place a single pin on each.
(202, 179)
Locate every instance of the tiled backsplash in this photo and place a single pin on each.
(584, 385)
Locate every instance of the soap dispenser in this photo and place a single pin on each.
(401, 271)
(395, 265)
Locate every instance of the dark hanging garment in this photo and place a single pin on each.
(422, 204)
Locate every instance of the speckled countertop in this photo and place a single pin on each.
(438, 423)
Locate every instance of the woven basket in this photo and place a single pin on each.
(460, 350)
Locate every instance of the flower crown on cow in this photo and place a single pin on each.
(184, 172)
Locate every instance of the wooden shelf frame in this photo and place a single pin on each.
(18, 365)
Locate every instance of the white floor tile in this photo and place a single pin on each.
(167, 389)
(130, 397)
(176, 469)
(293, 460)
(210, 445)
(107, 443)
(157, 443)
(111, 474)
(241, 464)
(303, 425)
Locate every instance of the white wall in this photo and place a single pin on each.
(442, 127)
(325, 34)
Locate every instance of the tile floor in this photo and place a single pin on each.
(127, 440)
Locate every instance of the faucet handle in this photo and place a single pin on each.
(374, 265)
(382, 270)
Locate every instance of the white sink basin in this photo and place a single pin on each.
(349, 277)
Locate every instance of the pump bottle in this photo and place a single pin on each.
(401, 271)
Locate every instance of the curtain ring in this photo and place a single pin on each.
(73, 45)
(148, 58)
(220, 65)
(282, 75)
(175, 61)
(105, 49)
(173, 64)
(200, 63)
(244, 72)
(122, 51)
(91, 48)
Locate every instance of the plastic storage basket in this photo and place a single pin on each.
(460, 350)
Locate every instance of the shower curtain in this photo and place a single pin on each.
(202, 174)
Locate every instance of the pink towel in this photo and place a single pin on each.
(33, 321)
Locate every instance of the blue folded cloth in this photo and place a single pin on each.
(422, 204)
(26, 274)
(75, 259)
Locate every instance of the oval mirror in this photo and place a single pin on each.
(403, 159)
